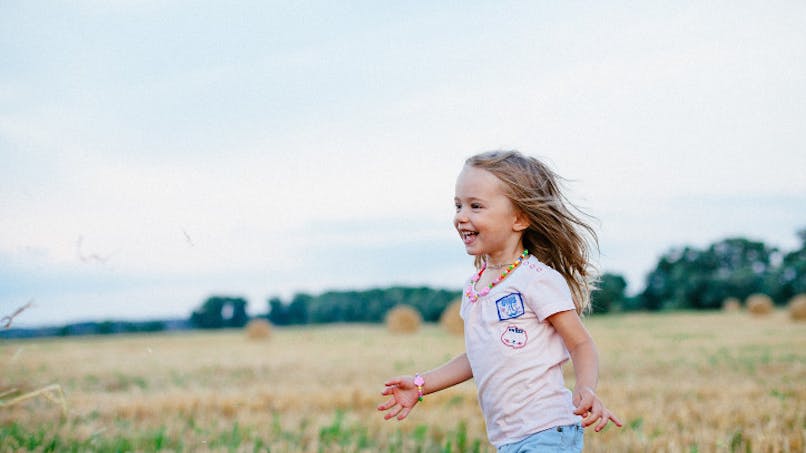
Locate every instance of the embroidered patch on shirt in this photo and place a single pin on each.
(514, 337)
(510, 306)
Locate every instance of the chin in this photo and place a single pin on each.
(470, 251)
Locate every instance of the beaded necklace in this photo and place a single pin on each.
(474, 295)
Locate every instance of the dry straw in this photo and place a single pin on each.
(258, 329)
(731, 305)
(403, 319)
(797, 308)
(450, 319)
(52, 392)
(759, 304)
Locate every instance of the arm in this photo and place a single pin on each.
(586, 368)
(404, 393)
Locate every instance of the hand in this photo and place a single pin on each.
(591, 409)
(404, 397)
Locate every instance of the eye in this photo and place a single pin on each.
(458, 206)
(475, 206)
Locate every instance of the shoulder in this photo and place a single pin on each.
(547, 292)
(539, 272)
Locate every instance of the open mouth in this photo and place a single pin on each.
(468, 236)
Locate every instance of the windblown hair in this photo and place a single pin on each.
(558, 234)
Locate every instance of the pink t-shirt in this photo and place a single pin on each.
(517, 355)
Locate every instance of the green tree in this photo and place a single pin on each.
(278, 312)
(789, 278)
(702, 279)
(218, 312)
(609, 294)
(298, 309)
(105, 328)
(237, 312)
(359, 306)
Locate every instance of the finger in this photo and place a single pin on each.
(388, 391)
(616, 420)
(584, 406)
(594, 414)
(602, 424)
(393, 413)
(394, 382)
(404, 413)
(386, 405)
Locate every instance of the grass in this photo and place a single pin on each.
(696, 382)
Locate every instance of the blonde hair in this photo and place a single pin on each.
(557, 234)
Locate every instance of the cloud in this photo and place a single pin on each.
(274, 147)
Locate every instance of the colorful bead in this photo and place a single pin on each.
(419, 382)
(474, 295)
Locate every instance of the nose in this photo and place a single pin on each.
(460, 217)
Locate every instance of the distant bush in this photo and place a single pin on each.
(403, 319)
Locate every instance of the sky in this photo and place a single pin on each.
(155, 153)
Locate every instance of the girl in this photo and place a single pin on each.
(521, 310)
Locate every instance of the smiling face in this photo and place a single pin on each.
(487, 221)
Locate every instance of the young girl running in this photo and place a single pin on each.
(521, 310)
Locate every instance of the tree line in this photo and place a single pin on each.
(703, 278)
(683, 278)
(359, 306)
(368, 306)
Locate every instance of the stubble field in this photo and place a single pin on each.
(681, 382)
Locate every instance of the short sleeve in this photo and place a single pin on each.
(549, 294)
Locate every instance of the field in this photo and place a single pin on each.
(682, 382)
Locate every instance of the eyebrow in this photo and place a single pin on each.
(468, 199)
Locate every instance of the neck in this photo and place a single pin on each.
(503, 260)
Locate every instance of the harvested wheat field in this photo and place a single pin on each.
(681, 382)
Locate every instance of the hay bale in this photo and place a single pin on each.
(258, 329)
(797, 308)
(403, 319)
(731, 305)
(759, 304)
(450, 319)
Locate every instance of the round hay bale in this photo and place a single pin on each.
(759, 304)
(450, 319)
(731, 305)
(258, 329)
(403, 319)
(797, 308)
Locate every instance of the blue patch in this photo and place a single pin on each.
(510, 306)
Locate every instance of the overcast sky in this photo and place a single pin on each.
(154, 153)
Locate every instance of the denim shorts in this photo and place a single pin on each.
(568, 438)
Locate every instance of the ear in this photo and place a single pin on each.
(521, 222)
